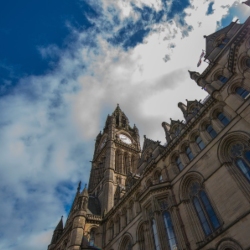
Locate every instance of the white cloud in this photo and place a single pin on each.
(49, 124)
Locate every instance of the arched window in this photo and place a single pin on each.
(141, 238)
(241, 159)
(155, 235)
(199, 142)
(189, 153)
(211, 131)
(179, 163)
(126, 244)
(204, 209)
(222, 79)
(242, 92)
(92, 237)
(169, 230)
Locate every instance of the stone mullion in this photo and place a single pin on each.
(148, 235)
(179, 229)
(184, 159)
(194, 220)
(161, 231)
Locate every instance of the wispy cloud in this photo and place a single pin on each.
(49, 122)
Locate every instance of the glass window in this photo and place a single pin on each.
(179, 163)
(204, 209)
(211, 131)
(199, 142)
(155, 235)
(222, 79)
(242, 92)
(244, 167)
(189, 153)
(170, 231)
(223, 119)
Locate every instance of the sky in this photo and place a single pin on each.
(64, 66)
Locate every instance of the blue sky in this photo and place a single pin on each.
(64, 66)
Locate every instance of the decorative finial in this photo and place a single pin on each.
(205, 36)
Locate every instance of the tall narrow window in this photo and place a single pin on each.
(222, 79)
(211, 131)
(243, 163)
(204, 209)
(189, 153)
(199, 142)
(223, 119)
(179, 163)
(92, 237)
(170, 231)
(242, 92)
(241, 157)
(155, 235)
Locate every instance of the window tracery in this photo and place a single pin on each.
(241, 157)
(204, 210)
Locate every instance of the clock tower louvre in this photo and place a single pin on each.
(117, 151)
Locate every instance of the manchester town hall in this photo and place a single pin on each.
(191, 193)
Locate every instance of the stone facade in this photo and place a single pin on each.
(191, 193)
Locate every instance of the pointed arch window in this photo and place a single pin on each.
(169, 231)
(199, 142)
(242, 92)
(205, 212)
(223, 119)
(179, 163)
(241, 158)
(189, 153)
(211, 131)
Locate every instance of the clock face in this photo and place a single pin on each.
(125, 139)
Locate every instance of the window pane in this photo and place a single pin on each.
(170, 231)
(222, 78)
(210, 211)
(247, 155)
(201, 216)
(199, 142)
(155, 235)
(211, 131)
(223, 119)
(179, 163)
(242, 92)
(242, 165)
(189, 153)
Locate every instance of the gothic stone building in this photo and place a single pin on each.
(191, 193)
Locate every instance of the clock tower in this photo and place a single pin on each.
(117, 150)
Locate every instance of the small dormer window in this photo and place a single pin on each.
(222, 79)
(223, 42)
(177, 131)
